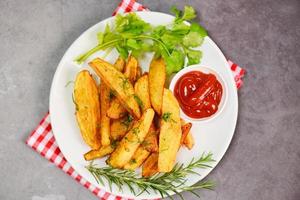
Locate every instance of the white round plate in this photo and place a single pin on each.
(211, 136)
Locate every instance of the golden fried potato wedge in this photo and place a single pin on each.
(141, 89)
(132, 140)
(189, 141)
(151, 141)
(99, 153)
(105, 121)
(185, 128)
(150, 165)
(139, 156)
(139, 72)
(120, 64)
(119, 127)
(131, 69)
(170, 132)
(116, 110)
(157, 78)
(121, 86)
(87, 108)
(187, 137)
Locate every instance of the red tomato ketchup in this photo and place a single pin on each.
(198, 94)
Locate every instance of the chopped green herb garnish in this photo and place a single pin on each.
(114, 144)
(139, 101)
(127, 121)
(132, 161)
(167, 117)
(174, 43)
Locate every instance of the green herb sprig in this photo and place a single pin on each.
(174, 42)
(162, 183)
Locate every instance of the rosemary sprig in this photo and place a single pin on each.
(162, 183)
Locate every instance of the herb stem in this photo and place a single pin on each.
(81, 58)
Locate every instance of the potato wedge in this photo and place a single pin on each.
(185, 128)
(87, 108)
(151, 141)
(189, 141)
(157, 78)
(187, 137)
(120, 64)
(119, 127)
(116, 110)
(131, 69)
(99, 153)
(118, 83)
(105, 121)
(139, 72)
(141, 89)
(170, 132)
(139, 156)
(131, 140)
(150, 165)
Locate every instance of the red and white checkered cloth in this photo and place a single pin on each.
(42, 139)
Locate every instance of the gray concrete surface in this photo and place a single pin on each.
(263, 36)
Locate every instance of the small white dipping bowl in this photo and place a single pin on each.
(205, 70)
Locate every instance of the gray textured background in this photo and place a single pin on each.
(263, 36)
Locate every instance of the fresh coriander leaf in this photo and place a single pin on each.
(158, 31)
(174, 62)
(199, 29)
(189, 13)
(171, 40)
(175, 11)
(192, 39)
(194, 56)
(131, 25)
(133, 44)
(181, 28)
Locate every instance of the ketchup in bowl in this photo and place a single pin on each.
(198, 94)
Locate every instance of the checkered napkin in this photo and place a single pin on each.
(42, 139)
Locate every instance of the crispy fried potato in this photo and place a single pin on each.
(187, 137)
(139, 156)
(185, 128)
(131, 140)
(151, 142)
(170, 132)
(139, 72)
(119, 127)
(189, 141)
(105, 121)
(150, 165)
(131, 69)
(118, 83)
(116, 110)
(99, 153)
(157, 78)
(87, 108)
(141, 89)
(120, 64)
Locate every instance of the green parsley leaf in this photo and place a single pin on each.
(194, 56)
(192, 39)
(175, 62)
(175, 11)
(199, 29)
(189, 13)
